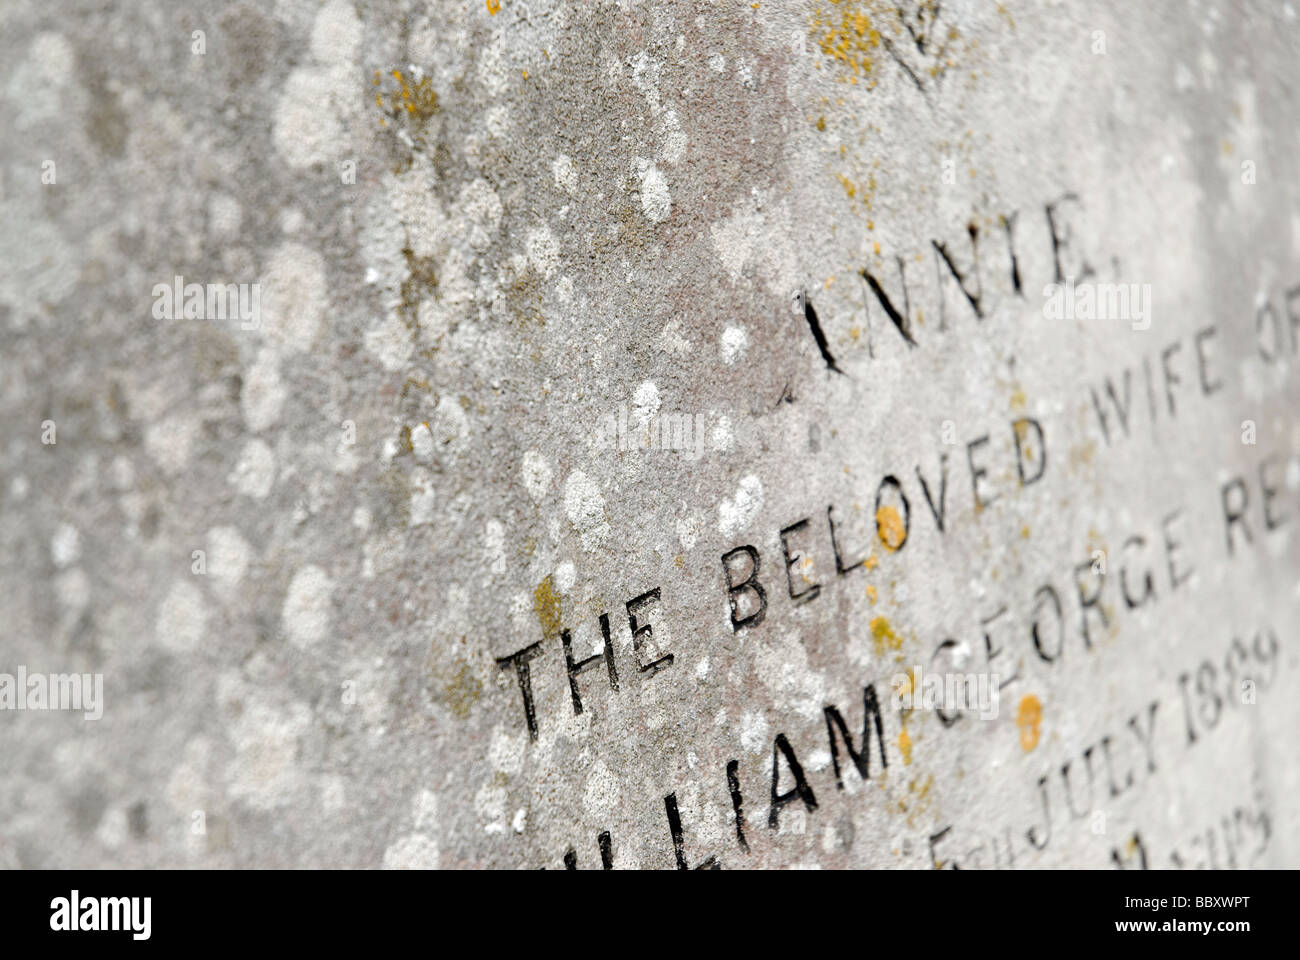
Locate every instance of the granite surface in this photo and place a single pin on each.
(972, 326)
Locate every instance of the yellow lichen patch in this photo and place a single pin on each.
(911, 686)
(860, 190)
(889, 527)
(845, 34)
(905, 746)
(546, 604)
(1024, 531)
(906, 685)
(414, 102)
(857, 34)
(882, 636)
(871, 594)
(1017, 399)
(920, 798)
(493, 7)
(1022, 432)
(462, 691)
(1029, 717)
(418, 384)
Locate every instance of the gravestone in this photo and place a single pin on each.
(649, 435)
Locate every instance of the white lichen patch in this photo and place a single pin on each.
(645, 402)
(308, 606)
(391, 342)
(543, 251)
(254, 473)
(733, 344)
(564, 174)
(65, 546)
(182, 620)
(754, 732)
(265, 772)
(537, 474)
(424, 496)
(306, 128)
(228, 556)
(169, 441)
(736, 513)
(478, 214)
(336, 34)
(415, 851)
(263, 393)
(656, 202)
(293, 298)
(586, 509)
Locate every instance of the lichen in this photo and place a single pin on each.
(407, 105)
(546, 604)
(1029, 718)
(883, 635)
(846, 34)
(889, 527)
(462, 691)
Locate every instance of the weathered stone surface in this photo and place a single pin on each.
(807, 247)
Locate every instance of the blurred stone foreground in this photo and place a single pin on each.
(548, 307)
